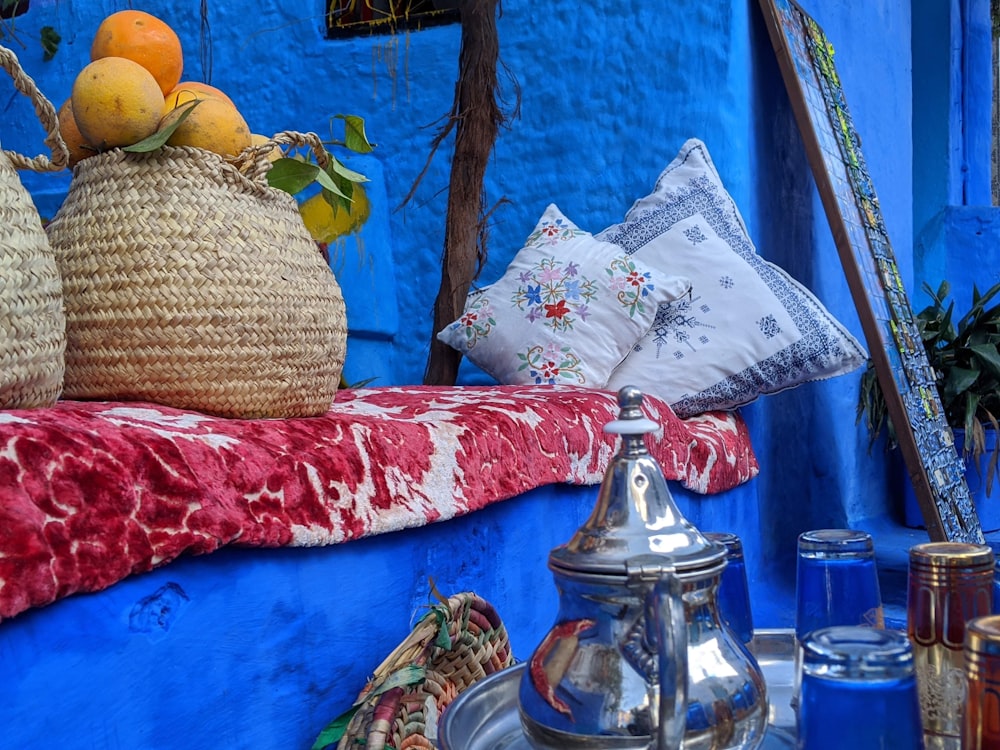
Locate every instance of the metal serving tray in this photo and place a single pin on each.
(485, 716)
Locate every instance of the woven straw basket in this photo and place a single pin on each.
(32, 325)
(426, 672)
(190, 282)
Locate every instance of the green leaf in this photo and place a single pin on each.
(346, 186)
(328, 183)
(343, 198)
(160, 137)
(50, 42)
(957, 381)
(354, 134)
(989, 356)
(970, 420)
(292, 176)
(337, 202)
(348, 174)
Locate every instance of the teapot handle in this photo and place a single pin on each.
(665, 613)
(663, 637)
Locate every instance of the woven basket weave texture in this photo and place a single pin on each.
(406, 717)
(190, 284)
(32, 324)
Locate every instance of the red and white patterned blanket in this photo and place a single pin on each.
(92, 492)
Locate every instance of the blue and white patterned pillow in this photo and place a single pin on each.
(747, 328)
(566, 311)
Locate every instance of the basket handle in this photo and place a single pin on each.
(253, 161)
(46, 114)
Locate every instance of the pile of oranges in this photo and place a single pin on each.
(132, 88)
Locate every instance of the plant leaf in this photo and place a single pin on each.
(354, 134)
(293, 175)
(989, 356)
(160, 137)
(337, 202)
(957, 381)
(339, 168)
(50, 39)
(328, 183)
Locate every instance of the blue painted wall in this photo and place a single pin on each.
(609, 92)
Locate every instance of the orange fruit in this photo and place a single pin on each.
(71, 135)
(179, 97)
(116, 102)
(213, 124)
(187, 90)
(142, 38)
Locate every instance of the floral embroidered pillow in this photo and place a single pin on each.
(566, 311)
(747, 328)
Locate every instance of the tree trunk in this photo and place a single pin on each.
(477, 117)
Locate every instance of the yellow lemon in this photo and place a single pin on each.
(325, 224)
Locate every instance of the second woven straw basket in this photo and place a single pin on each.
(190, 282)
(32, 324)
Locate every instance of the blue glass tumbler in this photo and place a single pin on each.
(859, 691)
(836, 581)
(995, 602)
(734, 592)
(996, 586)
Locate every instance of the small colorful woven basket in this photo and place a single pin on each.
(453, 646)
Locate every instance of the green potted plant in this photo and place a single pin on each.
(964, 352)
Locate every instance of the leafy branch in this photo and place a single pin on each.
(293, 174)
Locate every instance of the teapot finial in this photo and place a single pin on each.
(630, 402)
(631, 424)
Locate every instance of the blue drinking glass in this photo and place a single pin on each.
(996, 586)
(995, 546)
(836, 581)
(859, 691)
(734, 593)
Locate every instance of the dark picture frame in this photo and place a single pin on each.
(833, 148)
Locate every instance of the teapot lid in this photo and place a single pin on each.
(635, 513)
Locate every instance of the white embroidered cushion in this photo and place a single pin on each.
(567, 309)
(747, 328)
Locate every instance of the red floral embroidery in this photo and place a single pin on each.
(557, 310)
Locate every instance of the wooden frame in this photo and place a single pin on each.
(805, 57)
(345, 18)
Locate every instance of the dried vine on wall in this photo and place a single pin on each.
(476, 117)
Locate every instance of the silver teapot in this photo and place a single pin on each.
(638, 656)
